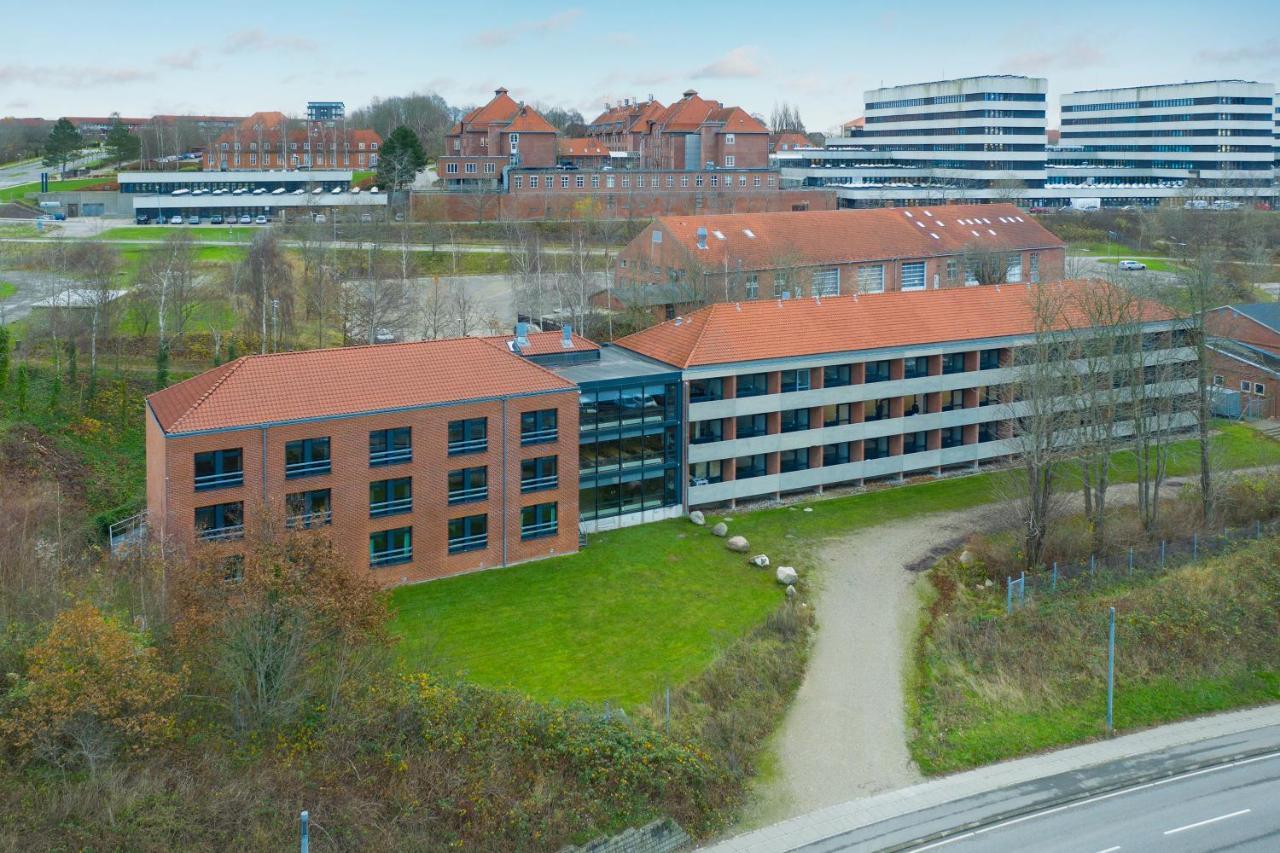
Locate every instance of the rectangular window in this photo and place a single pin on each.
(1033, 261)
(837, 414)
(1013, 271)
(877, 371)
(742, 180)
(915, 442)
(539, 474)
(953, 270)
(595, 182)
(988, 359)
(837, 375)
(533, 182)
(746, 467)
(389, 547)
(826, 282)
(835, 454)
(876, 410)
(871, 279)
(469, 168)
(729, 139)
(684, 182)
(469, 533)
(1244, 385)
(219, 469)
(715, 180)
(781, 286)
(306, 457)
(467, 485)
(626, 181)
(468, 436)
(753, 384)
(609, 181)
(308, 509)
(729, 160)
(1259, 389)
(914, 367)
(451, 168)
(702, 432)
(748, 426)
(390, 446)
(705, 390)
(671, 181)
(539, 520)
(518, 182)
(705, 473)
(752, 287)
(953, 362)
(538, 427)
(755, 182)
(564, 182)
(490, 168)
(515, 143)
(220, 522)
(913, 276)
(579, 182)
(390, 497)
(793, 460)
(795, 420)
(1218, 380)
(795, 380)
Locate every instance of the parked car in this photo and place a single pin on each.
(1132, 265)
(175, 220)
(245, 219)
(142, 220)
(216, 219)
(193, 220)
(366, 217)
(320, 219)
(260, 219)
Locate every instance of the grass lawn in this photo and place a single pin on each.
(218, 233)
(7, 289)
(21, 191)
(651, 605)
(1157, 264)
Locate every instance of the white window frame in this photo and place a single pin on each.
(826, 282)
(1245, 386)
(1013, 268)
(871, 278)
(1219, 380)
(451, 168)
(469, 168)
(751, 287)
(729, 161)
(515, 143)
(924, 275)
(729, 139)
(1260, 389)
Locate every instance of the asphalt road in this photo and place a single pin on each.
(1234, 806)
(26, 173)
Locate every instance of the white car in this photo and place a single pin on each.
(175, 220)
(260, 219)
(1132, 265)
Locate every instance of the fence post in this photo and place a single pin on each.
(1055, 575)
(1022, 589)
(1111, 669)
(1008, 594)
(1195, 546)
(305, 819)
(1093, 564)
(1130, 559)
(1162, 553)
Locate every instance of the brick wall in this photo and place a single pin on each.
(263, 492)
(1233, 372)
(1226, 323)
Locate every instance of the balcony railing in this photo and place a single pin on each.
(462, 496)
(390, 558)
(222, 534)
(470, 445)
(392, 507)
(539, 436)
(469, 543)
(309, 519)
(537, 484)
(308, 469)
(219, 481)
(390, 457)
(534, 531)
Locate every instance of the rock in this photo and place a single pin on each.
(967, 558)
(697, 517)
(791, 591)
(759, 560)
(737, 543)
(808, 509)
(989, 583)
(787, 575)
(720, 529)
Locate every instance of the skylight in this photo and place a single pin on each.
(719, 235)
(748, 232)
(907, 213)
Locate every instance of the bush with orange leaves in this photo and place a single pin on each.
(92, 688)
(274, 626)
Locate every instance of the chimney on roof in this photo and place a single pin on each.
(689, 93)
(522, 336)
(566, 339)
(500, 91)
(702, 237)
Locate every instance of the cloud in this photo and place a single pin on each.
(1076, 55)
(187, 60)
(499, 36)
(1263, 51)
(71, 76)
(740, 62)
(254, 40)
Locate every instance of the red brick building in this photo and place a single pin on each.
(679, 261)
(268, 140)
(414, 458)
(487, 140)
(1244, 348)
(789, 141)
(691, 134)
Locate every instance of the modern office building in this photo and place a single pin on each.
(679, 262)
(795, 395)
(159, 196)
(1212, 140)
(1210, 143)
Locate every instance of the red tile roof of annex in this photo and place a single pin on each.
(544, 343)
(730, 332)
(279, 387)
(813, 237)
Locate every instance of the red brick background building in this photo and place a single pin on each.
(265, 140)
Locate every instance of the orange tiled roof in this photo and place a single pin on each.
(631, 116)
(860, 121)
(545, 343)
(788, 140)
(813, 237)
(581, 147)
(767, 329)
(737, 120)
(262, 389)
(504, 111)
(529, 120)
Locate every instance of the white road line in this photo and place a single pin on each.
(1100, 798)
(1110, 849)
(1207, 822)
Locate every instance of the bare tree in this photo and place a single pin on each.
(379, 300)
(265, 280)
(97, 263)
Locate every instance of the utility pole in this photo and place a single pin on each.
(275, 325)
(1111, 671)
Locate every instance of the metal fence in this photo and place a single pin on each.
(1149, 560)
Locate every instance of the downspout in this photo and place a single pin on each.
(263, 463)
(504, 481)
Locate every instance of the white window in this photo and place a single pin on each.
(490, 168)
(515, 143)
(1260, 389)
(579, 181)
(684, 182)
(781, 285)
(742, 180)
(697, 181)
(728, 161)
(626, 180)
(609, 181)
(533, 182)
(913, 276)
(870, 278)
(518, 182)
(1034, 262)
(671, 181)
(752, 286)
(457, 144)
(595, 182)
(373, 146)
(1013, 268)
(470, 168)
(1218, 380)
(826, 282)
(728, 139)
(564, 182)
(451, 168)
(715, 180)
(755, 182)
(253, 159)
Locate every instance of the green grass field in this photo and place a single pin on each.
(1157, 264)
(7, 289)
(21, 191)
(217, 233)
(651, 605)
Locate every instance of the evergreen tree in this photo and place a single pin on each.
(231, 351)
(4, 360)
(63, 143)
(162, 366)
(21, 390)
(400, 159)
(120, 144)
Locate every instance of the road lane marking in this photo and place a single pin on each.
(1110, 849)
(1207, 822)
(1100, 797)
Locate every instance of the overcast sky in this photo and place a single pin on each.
(233, 57)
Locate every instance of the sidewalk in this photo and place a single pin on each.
(1082, 770)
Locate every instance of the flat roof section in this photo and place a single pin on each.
(614, 364)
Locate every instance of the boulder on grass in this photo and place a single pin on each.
(737, 543)
(787, 575)
(759, 560)
(720, 529)
(697, 517)
(967, 558)
(791, 591)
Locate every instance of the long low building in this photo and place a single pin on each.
(160, 195)
(432, 458)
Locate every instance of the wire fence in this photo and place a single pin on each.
(1146, 560)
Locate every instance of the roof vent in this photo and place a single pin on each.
(500, 91)
(679, 321)
(566, 339)
(689, 93)
(522, 335)
(702, 237)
